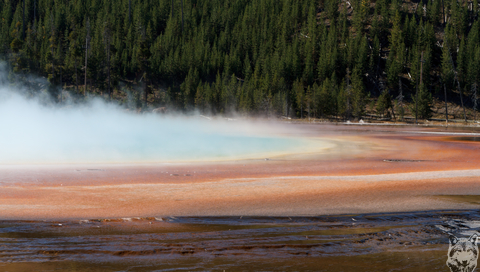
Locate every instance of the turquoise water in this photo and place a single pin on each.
(32, 133)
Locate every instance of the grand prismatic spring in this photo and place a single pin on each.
(96, 188)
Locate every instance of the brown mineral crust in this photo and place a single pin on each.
(338, 181)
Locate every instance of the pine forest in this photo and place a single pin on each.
(331, 59)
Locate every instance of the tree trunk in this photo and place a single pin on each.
(61, 85)
(475, 102)
(400, 97)
(144, 83)
(182, 16)
(347, 78)
(106, 40)
(108, 72)
(416, 96)
(86, 54)
(446, 105)
(86, 62)
(76, 75)
(393, 110)
(461, 100)
(301, 110)
(308, 111)
(458, 84)
(23, 27)
(51, 45)
(53, 64)
(287, 100)
(444, 16)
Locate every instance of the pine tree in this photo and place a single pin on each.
(74, 54)
(384, 103)
(299, 97)
(357, 95)
(424, 103)
(87, 43)
(396, 56)
(190, 88)
(261, 50)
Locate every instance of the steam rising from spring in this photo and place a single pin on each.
(101, 132)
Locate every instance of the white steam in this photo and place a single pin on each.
(32, 132)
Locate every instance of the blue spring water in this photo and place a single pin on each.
(99, 132)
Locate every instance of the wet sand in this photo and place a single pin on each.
(370, 169)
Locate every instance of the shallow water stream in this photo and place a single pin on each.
(372, 242)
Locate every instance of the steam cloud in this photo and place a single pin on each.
(32, 132)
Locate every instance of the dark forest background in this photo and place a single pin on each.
(308, 58)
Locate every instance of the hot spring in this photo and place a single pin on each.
(98, 132)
